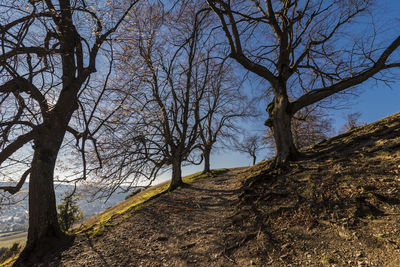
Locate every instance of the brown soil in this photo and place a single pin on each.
(187, 227)
(337, 206)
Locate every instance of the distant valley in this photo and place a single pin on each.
(14, 215)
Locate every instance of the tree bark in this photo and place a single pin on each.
(206, 154)
(280, 122)
(254, 160)
(44, 233)
(176, 179)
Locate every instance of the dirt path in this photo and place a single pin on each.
(338, 206)
(187, 227)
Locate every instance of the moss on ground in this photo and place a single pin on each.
(9, 262)
(10, 255)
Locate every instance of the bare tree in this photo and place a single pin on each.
(221, 109)
(352, 121)
(310, 127)
(169, 67)
(48, 53)
(251, 145)
(301, 48)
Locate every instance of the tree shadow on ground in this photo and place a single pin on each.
(50, 253)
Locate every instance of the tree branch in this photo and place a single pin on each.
(14, 189)
(321, 93)
(19, 142)
(20, 84)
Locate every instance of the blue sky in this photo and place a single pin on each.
(373, 104)
(374, 101)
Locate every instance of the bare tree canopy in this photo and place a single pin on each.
(169, 66)
(351, 122)
(222, 108)
(251, 145)
(306, 50)
(49, 49)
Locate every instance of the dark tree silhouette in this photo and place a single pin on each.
(222, 107)
(251, 145)
(301, 50)
(69, 212)
(170, 70)
(351, 122)
(48, 53)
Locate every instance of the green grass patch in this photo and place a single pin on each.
(326, 260)
(10, 233)
(9, 261)
(201, 176)
(98, 224)
(10, 255)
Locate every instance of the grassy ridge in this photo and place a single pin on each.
(97, 224)
(344, 191)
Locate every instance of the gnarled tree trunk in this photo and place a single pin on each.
(176, 179)
(206, 155)
(44, 233)
(254, 160)
(280, 123)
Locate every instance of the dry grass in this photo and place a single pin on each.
(347, 184)
(8, 241)
(99, 223)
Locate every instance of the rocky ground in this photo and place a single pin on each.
(338, 205)
(188, 227)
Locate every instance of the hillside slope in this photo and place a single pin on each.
(339, 205)
(185, 227)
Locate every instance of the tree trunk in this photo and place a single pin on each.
(280, 122)
(206, 154)
(44, 233)
(176, 179)
(254, 160)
